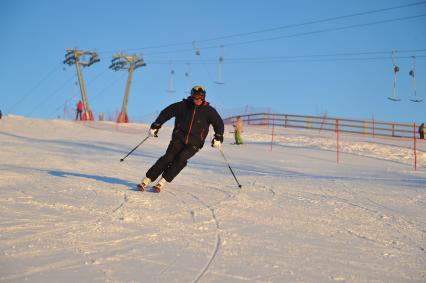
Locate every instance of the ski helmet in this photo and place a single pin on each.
(198, 92)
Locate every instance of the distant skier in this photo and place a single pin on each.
(421, 131)
(79, 110)
(238, 127)
(1, 114)
(193, 117)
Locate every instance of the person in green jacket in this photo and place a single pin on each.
(238, 127)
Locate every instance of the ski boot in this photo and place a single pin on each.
(160, 185)
(144, 184)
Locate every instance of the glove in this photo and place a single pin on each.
(217, 141)
(216, 144)
(153, 131)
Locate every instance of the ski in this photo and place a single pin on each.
(143, 188)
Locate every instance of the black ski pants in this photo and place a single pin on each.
(173, 161)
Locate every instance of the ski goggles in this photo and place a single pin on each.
(198, 96)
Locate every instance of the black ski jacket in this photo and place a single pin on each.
(192, 122)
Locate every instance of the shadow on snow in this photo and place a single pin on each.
(105, 179)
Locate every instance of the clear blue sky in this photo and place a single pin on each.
(35, 35)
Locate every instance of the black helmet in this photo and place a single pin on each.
(198, 92)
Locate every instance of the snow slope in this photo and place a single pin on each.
(70, 212)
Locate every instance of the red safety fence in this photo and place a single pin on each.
(365, 127)
(399, 131)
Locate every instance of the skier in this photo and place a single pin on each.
(1, 114)
(79, 109)
(238, 127)
(421, 131)
(193, 117)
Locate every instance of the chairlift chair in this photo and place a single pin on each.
(412, 73)
(219, 72)
(171, 88)
(197, 51)
(188, 76)
(395, 71)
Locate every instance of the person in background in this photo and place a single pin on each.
(422, 131)
(79, 109)
(1, 115)
(238, 127)
(193, 117)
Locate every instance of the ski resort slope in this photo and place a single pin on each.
(70, 211)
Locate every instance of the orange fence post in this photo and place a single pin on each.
(415, 151)
(337, 139)
(373, 126)
(322, 123)
(273, 127)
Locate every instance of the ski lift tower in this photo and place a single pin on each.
(73, 56)
(121, 61)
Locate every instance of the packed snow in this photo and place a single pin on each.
(71, 213)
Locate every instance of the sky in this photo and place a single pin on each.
(292, 57)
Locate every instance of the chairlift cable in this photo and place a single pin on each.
(171, 79)
(188, 76)
(322, 31)
(219, 69)
(88, 83)
(255, 61)
(31, 90)
(291, 35)
(297, 56)
(198, 55)
(274, 28)
(50, 94)
(315, 21)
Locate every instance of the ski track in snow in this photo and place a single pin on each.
(210, 207)
(376, 210)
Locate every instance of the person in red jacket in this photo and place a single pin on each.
(193, 117)
(79, 109)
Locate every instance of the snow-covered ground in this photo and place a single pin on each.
(70, 211)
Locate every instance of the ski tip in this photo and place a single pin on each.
(156, 189)
(140, 187)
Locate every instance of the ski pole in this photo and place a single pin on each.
(122, 159)
(229, 166)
